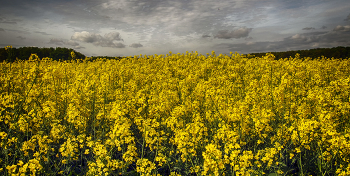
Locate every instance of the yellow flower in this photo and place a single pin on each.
(72, 55)
(145, 166)
(20, 163)
(3, 135)
(291, 155)
(8, 47)
(11, 169)
(174, 174)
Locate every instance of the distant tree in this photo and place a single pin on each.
(336, 52)
(3, 54)
(10, 54)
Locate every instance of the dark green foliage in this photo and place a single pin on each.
(92, 58)
(336, 52)
(24, 53)
(58, 53)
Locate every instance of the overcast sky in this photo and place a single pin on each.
(133, 27)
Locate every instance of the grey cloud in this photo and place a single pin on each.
(86, 37)
(308, 28)
(113, 36)
(298, 37)
(205, 36)
(72, 43)
(347, 18)
(334, 38)
(19, 31)
(342, 28)
(22, 38)
(65, 42)
(98, 40)
(43, 33)
(238, 33)
(9, 22)
(136, 45)
(56, 41)
(303, 38)
(249, 38)
(2, 20)
(118, 45)
(1, 29)
(166, 15)
(78, 47)
(296, 42)
(168, 24)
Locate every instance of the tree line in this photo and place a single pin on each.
(23, 53)
(339, 52)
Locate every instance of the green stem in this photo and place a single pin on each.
(300, 165)
(143, 142)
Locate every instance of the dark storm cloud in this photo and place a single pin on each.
(296, 42)
(162, 25)
(98, 40)
(308, 28)
(176, 17)
(136, 45)
(347, 18)
(238, 33)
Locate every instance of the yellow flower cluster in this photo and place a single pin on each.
(8, 47)
(212, 160)
(175, 114)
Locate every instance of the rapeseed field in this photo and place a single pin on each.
(175, 114)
